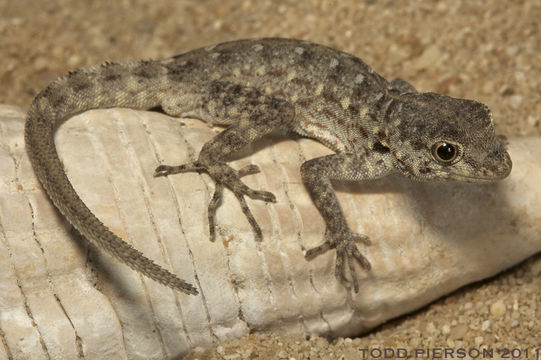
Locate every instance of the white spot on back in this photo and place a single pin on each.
(363, 112)
(319, 88)
(334, 63)
(210, 47)
(299, 50)
(345, 103)
(214, 55)
(359, 79)
(260, 70)
(257, 47)
(211, 106)
(378, 96)
(233, 111)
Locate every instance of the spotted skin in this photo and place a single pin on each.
(253, 86)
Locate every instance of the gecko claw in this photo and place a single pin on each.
(161, 170)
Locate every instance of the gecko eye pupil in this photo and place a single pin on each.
(444, 152)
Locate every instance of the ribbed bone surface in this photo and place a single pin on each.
(60, 299)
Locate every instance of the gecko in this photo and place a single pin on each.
(252, 87)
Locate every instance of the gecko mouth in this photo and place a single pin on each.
(491, 172)
(473, 179)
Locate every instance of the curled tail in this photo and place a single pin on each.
(133, 85)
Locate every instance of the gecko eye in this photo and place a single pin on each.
(445, 152)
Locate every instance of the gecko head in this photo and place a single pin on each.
(444, 138)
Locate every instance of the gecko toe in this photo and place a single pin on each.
(162, 170)
(165, 170)
(261, 195)
(318, 250)
(249, 170)
(362, 238)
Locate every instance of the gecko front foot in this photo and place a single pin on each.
(346, 252)
(224, 175)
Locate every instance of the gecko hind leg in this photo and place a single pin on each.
(250, 115)
(232, 181)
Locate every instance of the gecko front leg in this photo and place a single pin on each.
(317, 175)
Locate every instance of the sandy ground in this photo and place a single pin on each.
(486, 50)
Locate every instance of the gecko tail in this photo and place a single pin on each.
(79, 91)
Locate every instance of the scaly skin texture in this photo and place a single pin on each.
(374, 126)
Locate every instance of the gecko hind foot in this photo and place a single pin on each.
(224, 175)
(346, 252)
